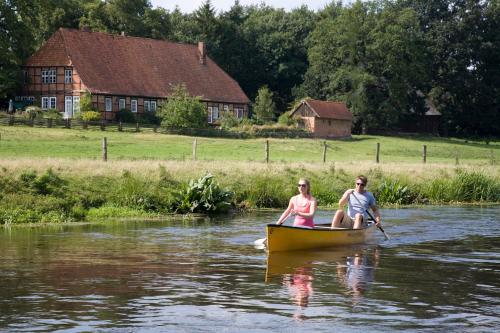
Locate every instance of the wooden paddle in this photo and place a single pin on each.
(371, 216)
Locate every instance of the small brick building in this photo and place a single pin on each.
(123, 72)
(325, 119)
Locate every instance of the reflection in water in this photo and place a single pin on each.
(354, 269)
(358, 272)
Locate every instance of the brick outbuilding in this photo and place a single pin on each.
(325, 119)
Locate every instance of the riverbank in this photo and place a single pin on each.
(58, 190)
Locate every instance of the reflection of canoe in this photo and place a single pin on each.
(286, 238)
(279, 263)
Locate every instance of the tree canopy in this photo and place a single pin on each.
(381, 57)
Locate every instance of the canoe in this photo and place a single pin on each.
(288, 238)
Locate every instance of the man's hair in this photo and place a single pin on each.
(362, 178)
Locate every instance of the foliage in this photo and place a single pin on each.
(90, 116)
(264, 108)
(393, 192)
(86, 103)
(52, 114)
(32, 112)
(229, 120)
(285, 119)
(125, 116)
(203, 196)
(182, 111)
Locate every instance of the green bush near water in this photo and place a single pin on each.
(49, 197)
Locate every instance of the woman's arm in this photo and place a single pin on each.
(286, 213)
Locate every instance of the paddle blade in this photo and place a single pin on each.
(260, 243)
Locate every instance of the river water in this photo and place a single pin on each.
(439, 272)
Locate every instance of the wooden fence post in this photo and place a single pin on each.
(324, 151)
(104, 149)
(103, 125)
(267, 151)
(11, 121)
(424, 154)
(155, 128)
(137, 126)
(377, 156)
(120, 126)
(456, 158)
(49, 122)
(195, 144)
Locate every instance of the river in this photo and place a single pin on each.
(439, 272)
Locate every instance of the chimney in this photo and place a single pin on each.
(203, 52)
(86, 28)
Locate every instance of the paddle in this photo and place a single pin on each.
(262, 241)
(371, 216)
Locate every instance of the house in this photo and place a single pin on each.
(324, 119)
(123, 72)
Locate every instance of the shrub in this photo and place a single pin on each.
(52, 114)
(125, 116)
(228, 120)
(393, 192)
(285, 119)
(182, 111)
(32, 112)
(149, 118)
(264, 108)
(203, 196)
(90, 116)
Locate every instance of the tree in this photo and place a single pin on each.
(264, 108)
(182, 111)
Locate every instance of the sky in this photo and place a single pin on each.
(188, 6)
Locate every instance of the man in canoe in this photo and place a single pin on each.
(359, 200)
(302, 206)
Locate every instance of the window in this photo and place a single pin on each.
(133, 105)
(76, 104)
(48, 76)
(226, 109)
(153, 106)
(209, 114)
(146, 106)
(26, 77)
(149, 106)
(215, 113)
(68, 107)
(48, 103)
(238, 112)
(121, 104)
(109, 104)
(68, 76)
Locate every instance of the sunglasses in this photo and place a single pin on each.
(302, 185)
(360, 184)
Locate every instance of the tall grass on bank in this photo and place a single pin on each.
(67, 192)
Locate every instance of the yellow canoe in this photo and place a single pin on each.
(288, 238)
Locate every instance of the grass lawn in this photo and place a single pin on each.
(26, 142)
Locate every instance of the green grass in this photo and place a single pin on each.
(21, 141)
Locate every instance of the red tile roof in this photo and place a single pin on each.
(133, 66)
(329, 109)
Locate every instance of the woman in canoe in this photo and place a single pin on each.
(302, 206)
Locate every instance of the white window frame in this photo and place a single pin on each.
(49, 102)
(68, 107)
(146, 106)
(133, 105)
(45, 103)
(76, 104)
(68, 76)
(49, 76)
(122, 104)
(53, 102)
(238, 112)
(215, 113)
(210, 120)
(108, 104)
(153, 106)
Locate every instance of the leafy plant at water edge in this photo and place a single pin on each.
(203, 196)
(393, 192)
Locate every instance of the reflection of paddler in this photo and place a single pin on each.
(358, 273)
(300, 285)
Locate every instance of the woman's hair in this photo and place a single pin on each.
(305, 180)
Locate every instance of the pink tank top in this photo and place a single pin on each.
(299, 220)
